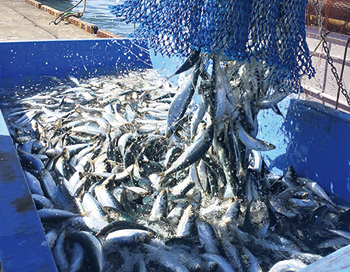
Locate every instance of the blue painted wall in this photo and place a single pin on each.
(25, 63)
(314, 139)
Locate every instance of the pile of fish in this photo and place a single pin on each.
(129, 173)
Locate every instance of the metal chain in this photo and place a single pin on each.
(66, 14)
(326, 50)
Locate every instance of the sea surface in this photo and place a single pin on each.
(96, 12)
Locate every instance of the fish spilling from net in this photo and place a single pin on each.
(122, 181)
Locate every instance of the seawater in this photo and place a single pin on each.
(97, 13)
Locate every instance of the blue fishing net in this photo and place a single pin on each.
(273, 31)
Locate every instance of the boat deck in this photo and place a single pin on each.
(22, 20)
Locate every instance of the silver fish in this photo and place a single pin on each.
(187, 222)
(207, 237)
(78, 258)
(221, 261)
(250, 141)
(193, 153)
(287, 265)
(160, 207)
(180, 103)
(92, 247)
(129, 236)
(59, 253)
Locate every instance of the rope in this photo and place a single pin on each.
(66, 14)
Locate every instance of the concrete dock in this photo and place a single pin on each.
(30, 20)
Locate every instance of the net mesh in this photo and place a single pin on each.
(273, 31)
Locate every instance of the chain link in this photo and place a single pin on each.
(326, 50)
(66, 14)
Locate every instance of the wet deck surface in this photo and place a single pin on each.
(20, 20)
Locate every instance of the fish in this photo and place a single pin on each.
(33, 183)
(92, 207)
(164, 259)
(207, 237)
(193, 153)
(160, 207)
(192, 201)
(59, 253)
(232, 254)
(106, 198)
(118, 225)
(250, 141)
(176, 212)
(219, 91)
(288, 265)
(77, 262)
(42, 202)
(51, 238)
(198, 115)
(221, 261)
(180, 103)
(54, 215)
(193, 58)
(92, 246)
(250, 261)
(186, 225)
(272, 100)
(31, 161)
(315, 188)
(128, 236)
